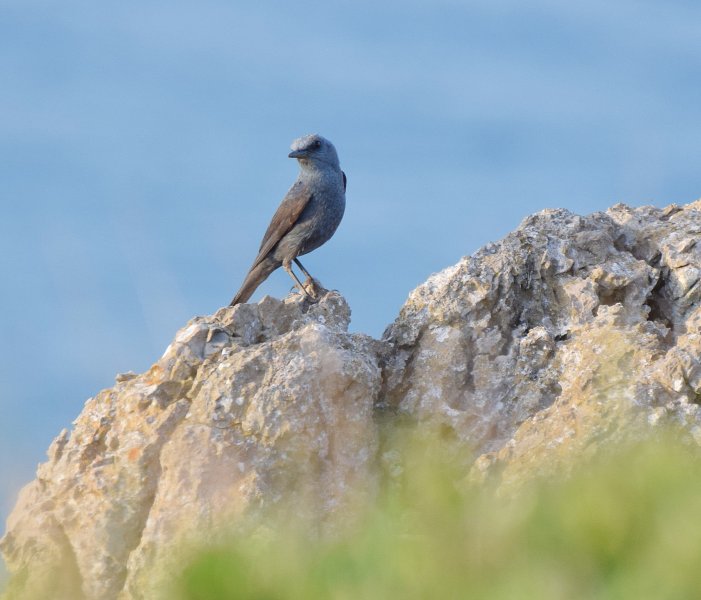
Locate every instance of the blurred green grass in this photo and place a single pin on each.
(625, 525)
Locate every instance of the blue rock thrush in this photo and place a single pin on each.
(306, 218)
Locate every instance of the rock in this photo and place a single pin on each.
(569, 335)
(255, 404)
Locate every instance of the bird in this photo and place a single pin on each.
(307, 217)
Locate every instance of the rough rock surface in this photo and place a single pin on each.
(254, 404)
(569, 334)
(569, 331)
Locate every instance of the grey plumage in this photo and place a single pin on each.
(307, 217)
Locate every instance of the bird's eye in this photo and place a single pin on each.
(317, 144)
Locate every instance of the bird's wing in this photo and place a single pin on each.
(345, 180)
(284, 218)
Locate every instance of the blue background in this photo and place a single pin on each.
(143, 151)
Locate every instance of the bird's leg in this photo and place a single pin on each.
(299, 264)
(286, 265)
(310, 282)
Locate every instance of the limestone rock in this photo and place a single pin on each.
(569, 332)
(255, 404)
(540, 350)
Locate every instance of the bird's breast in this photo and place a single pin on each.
(321, 217)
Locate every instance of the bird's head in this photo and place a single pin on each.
(314, 151)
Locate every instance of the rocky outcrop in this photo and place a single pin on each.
(256, 404)
(569, 334)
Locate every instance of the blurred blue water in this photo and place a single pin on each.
(143, 150)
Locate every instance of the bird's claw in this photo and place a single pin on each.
(312, 289)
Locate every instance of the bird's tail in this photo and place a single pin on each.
(257, 275)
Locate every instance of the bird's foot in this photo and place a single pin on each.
(306, 291)
(313, 289)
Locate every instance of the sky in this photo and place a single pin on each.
(143, 150)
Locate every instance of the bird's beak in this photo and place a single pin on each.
(297, 154)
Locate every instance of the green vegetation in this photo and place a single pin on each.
(626, 526)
